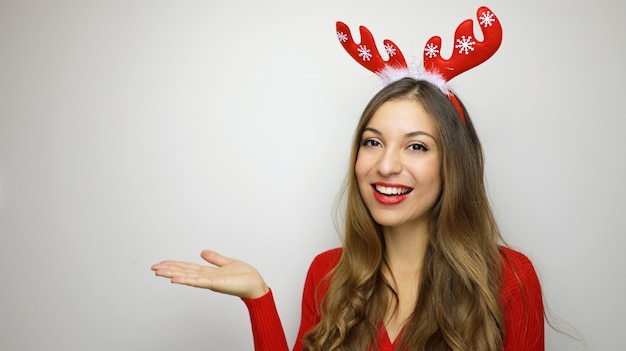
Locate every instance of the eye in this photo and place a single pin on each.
(370, 143)
(417, 147)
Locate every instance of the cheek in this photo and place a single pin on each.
(431, 174)
(360, 169)
(438, 182)
(436, 176)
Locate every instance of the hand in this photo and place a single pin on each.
(228, 276)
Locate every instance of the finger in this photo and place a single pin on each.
(161, 264)
(215, 258)
(195, 281)
(182, 270)
(168, 264)
(167, 273)
(164, 270)
(177, 265)
(186, 280)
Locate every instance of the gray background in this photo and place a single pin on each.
(137, 131)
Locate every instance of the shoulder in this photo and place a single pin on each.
(515, 262)
(332, 255)
(522, 302)
(327, 260)
(323, 264)
(518, 274)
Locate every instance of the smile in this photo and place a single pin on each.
(390, 194)
(390, 190)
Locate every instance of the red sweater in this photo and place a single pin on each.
(524, 324)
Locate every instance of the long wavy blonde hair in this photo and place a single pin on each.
(458, 306)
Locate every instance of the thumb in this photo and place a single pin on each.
(214, 258)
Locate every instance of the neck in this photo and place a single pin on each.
(405, 248)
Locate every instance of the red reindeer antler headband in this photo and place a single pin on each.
(468, 53)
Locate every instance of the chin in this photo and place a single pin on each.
(392, 220)
(387, 221)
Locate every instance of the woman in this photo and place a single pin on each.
(421, 267)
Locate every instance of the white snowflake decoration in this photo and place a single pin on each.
(390, 50)
(365, 53)
(342, 37)
(487, 18)
(465, 45)
(431, 50)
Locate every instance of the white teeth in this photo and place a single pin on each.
(391, 190)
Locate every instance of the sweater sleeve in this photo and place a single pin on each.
(523, 305)
(267, 329)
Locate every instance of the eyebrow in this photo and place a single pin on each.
(407, 135)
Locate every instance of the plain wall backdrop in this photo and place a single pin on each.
(137, 131)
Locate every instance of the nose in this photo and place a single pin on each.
(390, 163)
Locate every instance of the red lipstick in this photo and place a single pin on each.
(391, 199)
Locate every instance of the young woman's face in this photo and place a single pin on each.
(398, 166)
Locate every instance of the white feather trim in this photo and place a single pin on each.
(392, 74)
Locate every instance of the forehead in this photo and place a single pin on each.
(403, 116)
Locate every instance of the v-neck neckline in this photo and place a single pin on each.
(386, 342)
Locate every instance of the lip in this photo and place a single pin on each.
(390, 199)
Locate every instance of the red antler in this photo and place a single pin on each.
(468, 53)
(366, 53)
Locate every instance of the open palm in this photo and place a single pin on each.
(227, 275)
